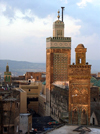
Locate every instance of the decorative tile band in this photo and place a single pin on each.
(62, 45)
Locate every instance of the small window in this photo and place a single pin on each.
(17, 105)
(80, 60)
(5, 129)
(94, 99)
(37, 77)
(29, 90)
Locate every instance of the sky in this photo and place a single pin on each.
(25, 25)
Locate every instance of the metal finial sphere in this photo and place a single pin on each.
(58, 14)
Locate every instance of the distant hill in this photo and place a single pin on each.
(21, 67)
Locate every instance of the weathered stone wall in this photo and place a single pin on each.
(59, 102)
(10, 100)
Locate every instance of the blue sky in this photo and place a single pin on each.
(25, 25)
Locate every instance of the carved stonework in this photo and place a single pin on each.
(60, 66)
(58, 45)
(79, 89)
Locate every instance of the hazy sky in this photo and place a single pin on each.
(25, 25)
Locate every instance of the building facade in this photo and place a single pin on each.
(37, 76)
(79, 75)
(33, 92)
(9, 110)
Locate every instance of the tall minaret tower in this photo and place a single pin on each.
(58, 57)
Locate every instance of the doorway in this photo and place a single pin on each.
(93, 121)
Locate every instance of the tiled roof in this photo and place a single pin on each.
(95, 81)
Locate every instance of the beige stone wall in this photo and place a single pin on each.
(23, 102)
(33, 105)
(42, 105)
(33, 91)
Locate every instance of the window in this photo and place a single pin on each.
(17, 104)
(29, 90)
(80, 61)
(37, 77)
(94, 99)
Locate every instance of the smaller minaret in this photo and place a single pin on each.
(7, 75)
(79, 76)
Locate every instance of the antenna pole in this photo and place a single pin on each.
(62, 12)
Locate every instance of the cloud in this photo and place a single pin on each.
(29, 37)
(64, 1)
(83, 3)
(72, 26)
(40, 8)
(91, 42)
(25, 25)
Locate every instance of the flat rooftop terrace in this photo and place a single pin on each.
(66, 129)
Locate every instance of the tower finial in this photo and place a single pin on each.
(58, 14)
(62, 12)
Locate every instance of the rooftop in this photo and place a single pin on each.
(66, 129)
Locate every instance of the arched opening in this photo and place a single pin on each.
(80, 60)
(83, 117)
(74, 116)
(9, 79)
(6, 79)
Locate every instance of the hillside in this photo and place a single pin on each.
(21, 67)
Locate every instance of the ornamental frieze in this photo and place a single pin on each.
(79, 71)
(58, 45)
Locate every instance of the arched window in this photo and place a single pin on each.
(80, 60)
(6, 79)
(9, 79)
(83, 117)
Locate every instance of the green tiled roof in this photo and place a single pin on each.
(95, 81)
(44, 83)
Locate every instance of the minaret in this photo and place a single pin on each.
(79, 75)
(7, 75)
(58, 57)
